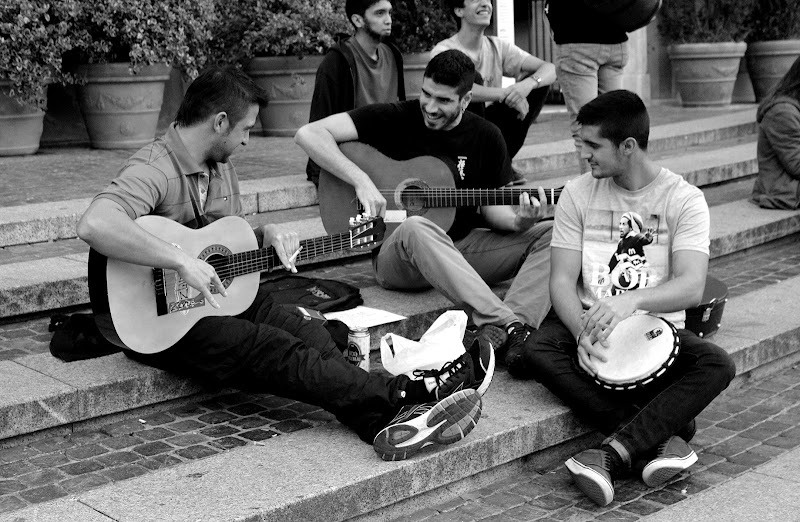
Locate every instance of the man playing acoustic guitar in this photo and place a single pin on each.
(650, 424)
(186, 177)
(485, 244)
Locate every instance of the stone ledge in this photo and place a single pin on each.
(326, 473)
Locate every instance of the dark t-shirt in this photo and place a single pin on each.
(475, 146)
(573, 22)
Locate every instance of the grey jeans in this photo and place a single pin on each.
(420, 255)
(586, 70)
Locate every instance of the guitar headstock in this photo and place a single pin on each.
(366, 231)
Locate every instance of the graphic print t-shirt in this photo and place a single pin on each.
(674, 216)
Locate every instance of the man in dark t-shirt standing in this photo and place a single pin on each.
(486, 244)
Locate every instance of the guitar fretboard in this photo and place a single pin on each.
(453, 197)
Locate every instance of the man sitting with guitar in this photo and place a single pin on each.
(650, 423)
(186, 177)
(485, 244)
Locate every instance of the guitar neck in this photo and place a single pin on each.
(266, 259)
(452, 197)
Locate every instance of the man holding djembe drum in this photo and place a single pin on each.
(615, 348)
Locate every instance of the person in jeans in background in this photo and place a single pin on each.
(591, 56)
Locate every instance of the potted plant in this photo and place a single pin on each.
(33, 37)
(126, 51)
(417, 26)
(706, 46)
(280, 44)
(773, 43)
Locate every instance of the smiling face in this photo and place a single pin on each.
(441, 106)
(475, 12)
(605, 158)
(377, 20)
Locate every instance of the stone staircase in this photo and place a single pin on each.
(325, 473)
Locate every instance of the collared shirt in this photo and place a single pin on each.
(163, 179)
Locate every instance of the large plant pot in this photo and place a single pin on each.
(413, 70)
(767, 63)
(705, 73)
(289, 84)
(121, 109)
(20, 125)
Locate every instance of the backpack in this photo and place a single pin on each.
(323, 295)
(76, 337)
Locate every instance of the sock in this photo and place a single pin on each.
(417, 392)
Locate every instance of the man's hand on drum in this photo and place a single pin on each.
(371, 199)
(589, 350)
(605, 314)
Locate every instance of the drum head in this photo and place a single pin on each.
(640, 348)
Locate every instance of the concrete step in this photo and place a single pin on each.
(325, 473)
(39, 222)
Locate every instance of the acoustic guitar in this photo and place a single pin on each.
(421, 186)
(150, 309)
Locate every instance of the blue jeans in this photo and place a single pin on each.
(420, 255)
(636, 421)
(585, 70)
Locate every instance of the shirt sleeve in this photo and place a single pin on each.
(568, 224)
(138, 189)
(513, 57)
(694, 224)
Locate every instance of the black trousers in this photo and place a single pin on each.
(271, 349)
(514, 130)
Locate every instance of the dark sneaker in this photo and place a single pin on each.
(591, 471)
(420, 425)
(473, 369)
(517, 333)
(674, 455)
(687, 432)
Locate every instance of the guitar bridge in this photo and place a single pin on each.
(172, 293)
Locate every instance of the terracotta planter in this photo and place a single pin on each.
(289, 83)
(413, 70)
(767, 63)
(121, 109)
(705, 73)
(20, 126)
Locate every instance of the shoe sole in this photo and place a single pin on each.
(659, 471)
(449, 421)
(593, 485)
(487, 378)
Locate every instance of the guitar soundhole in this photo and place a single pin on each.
(215, 256)
(413, 198)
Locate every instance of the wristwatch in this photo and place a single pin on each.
(537, 80)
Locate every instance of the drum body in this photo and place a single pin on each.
(705, 318)
(641, 349)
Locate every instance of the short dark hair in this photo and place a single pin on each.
(452, 68)
(357, 7)
(451, 6)
(219, 89)
(620, 115)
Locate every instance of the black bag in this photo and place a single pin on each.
(76, 337)
(323, 295)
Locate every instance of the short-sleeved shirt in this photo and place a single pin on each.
(162, 179)
(587, 219)
(496, 58)
(377, 79)
(475, 148)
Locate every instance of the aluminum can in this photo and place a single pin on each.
(358, 347)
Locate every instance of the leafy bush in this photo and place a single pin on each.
(144, 32)
(33, 37)
(699, 21)
(774, 20)
(418, 25)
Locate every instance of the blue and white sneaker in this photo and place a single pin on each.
(420, 425)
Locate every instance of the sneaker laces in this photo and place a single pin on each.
(449, 369)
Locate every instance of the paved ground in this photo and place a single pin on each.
(740, 431)
(56, 466)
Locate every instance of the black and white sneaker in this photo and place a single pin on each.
(417, 426)
(473, 369)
